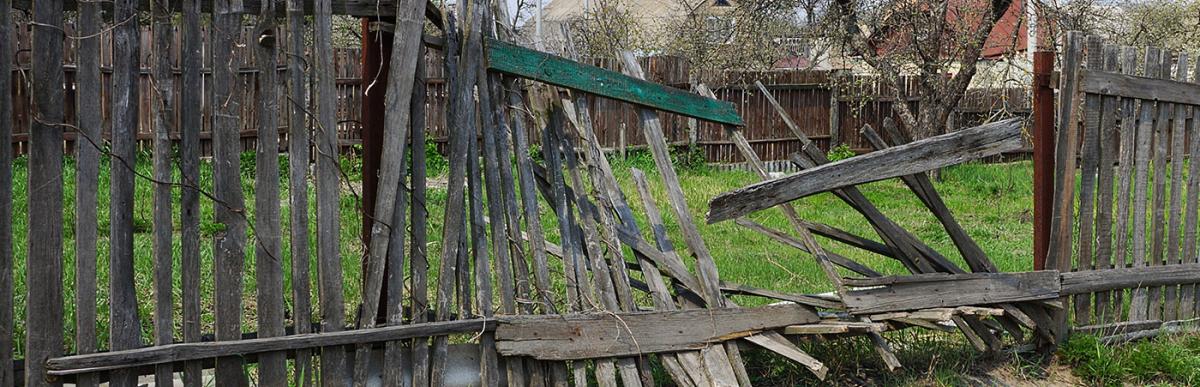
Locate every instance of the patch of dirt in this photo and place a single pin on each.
(1010, 374)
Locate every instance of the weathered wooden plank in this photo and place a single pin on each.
(71, 365)
(1109, 148)
(1188, 304)
(190, 121)
(1118, 328)
(1129, 278)
(329, 269)
(1128, 128)
(299, 149)
(268, 251)
(355, 8)
(803, 299)
(1138, 309)
(124, 326)
(489, 366)
(230, 241)
(1175, 225)
(163, 117)
(582, 336)
(87, 180)
(791, 352)
(516, 60)
(973, 289)
(44, 262)
(789, 240)
(1062, 208)
(7, 350)
(1089, 154)
(455, 194)
(1146, 88)
(1158, 232)
(418, 254)
(919, 156)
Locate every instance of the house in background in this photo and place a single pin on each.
(653, 18)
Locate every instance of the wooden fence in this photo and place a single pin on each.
(829, 111)
(1127, 120)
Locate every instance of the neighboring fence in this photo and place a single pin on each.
(1126, 121)
(807, 95)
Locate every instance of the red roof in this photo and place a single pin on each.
(964, 16)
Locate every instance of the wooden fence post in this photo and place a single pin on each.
(1043, 154)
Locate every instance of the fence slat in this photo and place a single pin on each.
(1162, 130)
(124, 325)
(1090, 153)
(1187, 301)
(1139, 307)
(163, 116)
(1062, 213)
(1171, 295)
(7, 350)
(229, 249)
(268, 252)
(87, 181)
(190, 119)
(418, 254)
(329, 272)
(1109, 145)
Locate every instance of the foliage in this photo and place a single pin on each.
(1169, 24)
(435, 163)
(840, 152)
(1174, 360)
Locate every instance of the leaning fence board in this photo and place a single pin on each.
(7, 350)
(971, 289)
(71, 365)
(87, 181)
(512, 59)
(190, 119)
(919, 156)
(229, 260)
(44, 262)
(163, 113)
(581, 336)
(124, 326)
(1062, 207)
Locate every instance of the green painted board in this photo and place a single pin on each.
(539, 66)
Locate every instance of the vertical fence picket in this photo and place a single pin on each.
(418, 255)
(329, 272)
(1158, 246)
(268, 252)
(1062, 213)
(124, 325)
(190, 119)
(229, 249)
(1171, 294)
(1090, 153)
(7, 350)
(87, 181)
(1128, 130)
(1139, 307)
(162, 95)
(1187, 292)
(299, 150)
(1109, 145)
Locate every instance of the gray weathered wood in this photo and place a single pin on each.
(529, 204)
(299, 150)
(356, 8)
(582, 336)
(163, 117)
(1062, 208)
(87, 181)
(190, 121)
(1158, 222)
(971, 289)
(1146, 88)
(268, 251)
(1138, 309)
(1129, 278)
(456, 192)
(329, 269)
(71, 365)
(44, 262)
(480, 253)
(7, 350)
(230, 241)
(124, 325)
(1188, 307)
(1109, 144)
(919, 156)
(418, 254)
(1175, 225)
(1128, 128)
(1089, 154)
(789, 240)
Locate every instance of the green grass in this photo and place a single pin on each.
(1167, 360)
(991, 201)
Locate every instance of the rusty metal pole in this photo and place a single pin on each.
(1043, 154)
(376, 54)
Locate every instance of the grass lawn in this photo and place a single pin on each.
(991, 201)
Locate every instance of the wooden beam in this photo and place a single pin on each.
(355, 8)
(1133, 86)
(539, 66)
(1080, 282)
(931, 153)
(956, 290)
(595, 335)
(78, 364)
